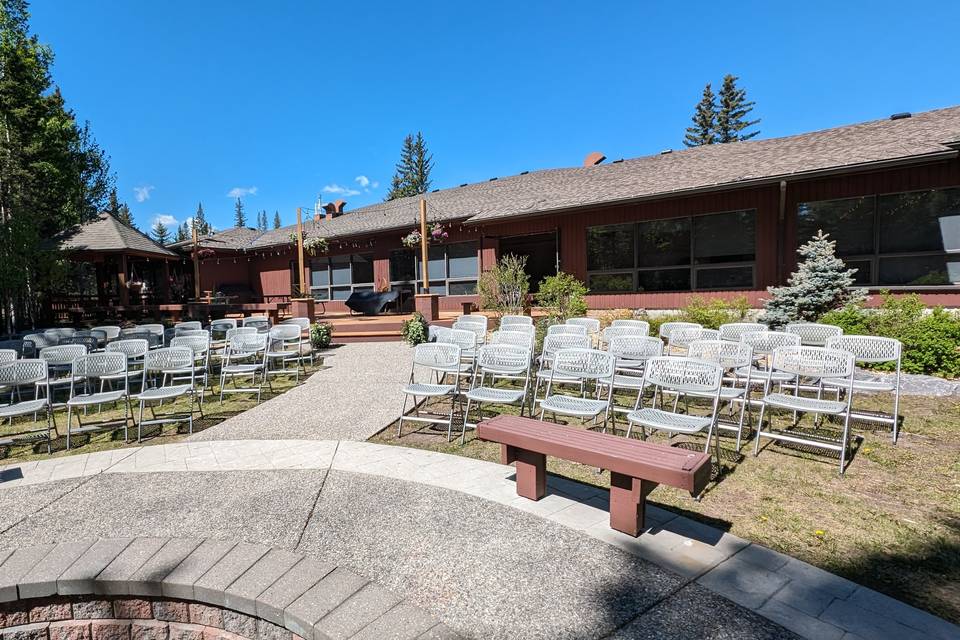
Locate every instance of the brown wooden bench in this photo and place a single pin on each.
(636, 467)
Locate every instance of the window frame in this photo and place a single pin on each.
(438, 282)
(692, 267)
(330, 287)
(876, 255)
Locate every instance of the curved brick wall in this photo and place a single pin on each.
(191, 589)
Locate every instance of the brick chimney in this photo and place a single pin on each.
(593, 158)
(339, 205)
(334, 209)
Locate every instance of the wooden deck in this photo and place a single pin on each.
(382, 328)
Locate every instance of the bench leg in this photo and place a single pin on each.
(531, 471)
(628, 498)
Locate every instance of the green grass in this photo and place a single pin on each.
(891, 523)
(214, 413)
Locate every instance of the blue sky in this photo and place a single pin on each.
(283, 101)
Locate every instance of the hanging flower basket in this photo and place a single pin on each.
(436, 233)
(313, 246)
(411, 240)
(201, 254)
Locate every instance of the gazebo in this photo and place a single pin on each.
(130, 267)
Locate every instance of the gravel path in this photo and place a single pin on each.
(356, 396)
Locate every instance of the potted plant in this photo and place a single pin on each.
(436, 233)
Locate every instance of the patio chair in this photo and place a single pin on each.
(732, 356)
(552, 344)
(637, 324)
(8, 355)
(509, 321)
(585, 365)
(468, 343)
(87, 370)
(523, 339)
(187, 325)
(612, 332)
(813, 334)
(23, 373)
(499, 362)
(433, 359)
(733, 330)
(763, 344)
(818, 363)
(139, 333)
(260, 323)
(592, 324)
(135, 350)
(437, 333)
(156, 329)
(306, 348)
(479, 329)
(669, 327)
(39, 341)
(631, 352)
(218, 335)
(175, 363)
(55, 335)
(681, 337)
(871, 350)
(284, 349)
(112, 332)
(59, 361)
(303, 323)
(569, 329)
(24, 348)
(245, 356)
(90, 343)
(200, 346)
(97, 334)
(681, 376)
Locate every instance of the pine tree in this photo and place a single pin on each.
(183, 233)
(125, 216)
(732, 116)
(113, 205)
(412, 174)
(704, 126)
(262, 220)
(160, 232)
(276, 220)
(239, 217)
(200, 221)
(821, 283)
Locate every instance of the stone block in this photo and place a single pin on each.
(114, 579)
(439, 632)
(41, 580)
(302, 614)
(239, 624)
(799, 622)
(146, 581)
(242, 594)
(269, 631)
(868, 624)
(93, 609)
(290, 586)
(70, 630)
(82, 574)
(35, 631)
(206, 615)
(179, 582)
(804, 597)
(904, 614)
(181, 631)
(210, 587)
(148, 630)
(817, 578)
(50, 611)
(132, 608)
(746, 584)
(110, 629)
(171, 611)
(403, 622)
(763, 557)
(14, 617)
(18, 564)
(359, 610)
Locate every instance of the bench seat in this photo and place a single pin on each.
(636, 467)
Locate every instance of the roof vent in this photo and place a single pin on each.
(464, 184)
(593, 158)
(666, 151)
(617, 161)
(523, 173)
(901, 116)
(492, 179)
(435, 190)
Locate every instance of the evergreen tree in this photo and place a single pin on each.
(276, 220)
(200, 221)
(821, 283)
(113, 205)
(732, 116)
(262, 220)
(160, 232)
(183, 233)
(125, 216)
(412, 175)
(704, 129)
(239, 217)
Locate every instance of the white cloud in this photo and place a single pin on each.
(167, 220)
(367, 184)
(240, 192)
(142, 193)
(337, 189)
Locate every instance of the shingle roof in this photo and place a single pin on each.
(922, 136)
(233, 239)
(106, 233)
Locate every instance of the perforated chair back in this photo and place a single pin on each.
(509, 321)
(8, 355)
(23, 372)
(437, 333)
(682, 337)
(188, 325)
(223, 325)
(246, 344)
(733, 330)
(764, 343)
(477, 329)
(258, 322)
(592, 324)
(474, 318)
(156, 329)
(634, 350)
(192, 333)
(285, 332)
(88, 342)
(303, 323)
(236, 331)
(465, 339)
(199, 345)
(112, 332)
(612, 332)
(585, 364)
(517, 338)
(57, 334)
(669, 327)
(129, 347)
(569, 329)
(556, 342)
(729, 355)
(636, 324)
(684, 375)
(24, 348)
(868, 349)
(99, 365)
(813, 362)
(62, 354)
(813, 334)
(38, 340)
(503, 359)
(169, 359)
(440, 356)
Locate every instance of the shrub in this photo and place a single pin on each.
(931, 341)
(504, 288)
(562, 296)
(607, 316)
(713, 312)
(415, 330)
(321, 334)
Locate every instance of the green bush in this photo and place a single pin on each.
(321, 334)
(931, 341)
(713, 312)
(562, 296)
(504, 287)
(415, 330)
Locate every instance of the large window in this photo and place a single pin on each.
(899, 239)
(453, 268)
(336, 277)
(715, 251)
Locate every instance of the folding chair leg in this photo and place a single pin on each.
(69, 420)
(453, 403)
(466, 418)
(140, 422)
(756, 444)
(403, 410)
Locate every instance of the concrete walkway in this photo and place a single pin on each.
(451, 535)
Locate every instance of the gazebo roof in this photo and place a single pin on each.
(106, 234)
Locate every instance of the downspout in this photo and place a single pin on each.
(781, 231)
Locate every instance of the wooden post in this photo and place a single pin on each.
(196, 265)
(300, 287)
(426, 303)
(165, 287)
(122, 281)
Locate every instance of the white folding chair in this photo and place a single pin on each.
(669, 327)
(88, 370)
(816, 363)
(435, 359)
(467, 341)
(112, 332)
(871, 350)
(592, 325)
(176, 363)
(680, 339)
(732, 356)
(22, 373)
(59, 361)
(584, 365)
(499, 362)
(245, 356)
(631, 352)
(509, 321)
(733, 330)
(479, 329)
(517, 338)
(284, 349)
(260, 323)
(200, 346)
(612, 332)
(552, 344)
(636, 324)
(306, 348)
(570, 329)
(813, 334)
